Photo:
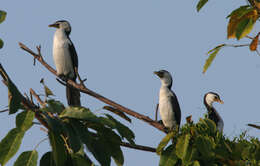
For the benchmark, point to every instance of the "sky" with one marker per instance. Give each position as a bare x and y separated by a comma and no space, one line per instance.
119,45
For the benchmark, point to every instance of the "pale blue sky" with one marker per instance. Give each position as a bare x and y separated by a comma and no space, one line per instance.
119,45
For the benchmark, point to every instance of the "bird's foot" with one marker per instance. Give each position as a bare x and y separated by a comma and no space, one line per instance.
63,77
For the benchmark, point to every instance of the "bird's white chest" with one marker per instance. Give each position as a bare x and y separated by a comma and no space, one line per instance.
166,108
61,54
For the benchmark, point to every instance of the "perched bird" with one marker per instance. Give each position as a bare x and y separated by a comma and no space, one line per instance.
170,111
209,98
65,59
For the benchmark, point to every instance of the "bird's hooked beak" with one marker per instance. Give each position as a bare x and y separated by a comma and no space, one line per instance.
219,101
158,73
55,25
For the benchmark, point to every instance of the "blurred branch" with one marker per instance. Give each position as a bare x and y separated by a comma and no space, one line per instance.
138,147
85,90
253,125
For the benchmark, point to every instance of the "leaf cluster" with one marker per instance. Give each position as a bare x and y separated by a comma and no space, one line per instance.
73,132
202,144
2,18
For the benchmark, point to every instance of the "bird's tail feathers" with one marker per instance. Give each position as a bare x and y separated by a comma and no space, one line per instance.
73,96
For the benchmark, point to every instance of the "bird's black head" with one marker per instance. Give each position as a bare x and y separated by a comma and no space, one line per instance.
165,77
211,97
62,24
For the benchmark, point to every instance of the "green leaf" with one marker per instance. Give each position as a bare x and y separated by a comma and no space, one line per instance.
54,106
168,157
244,27
24,120
117,112
72,137
211,124
79,160
196,163
47,160
59,150
79,113
1,43
241,11
94,145
2,15
182,146
212,54
14,97
205,146
10,145
164,142
123,130
28,158
200,4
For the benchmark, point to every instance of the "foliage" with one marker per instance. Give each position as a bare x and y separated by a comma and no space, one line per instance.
240,24
201,144
2,18
71,132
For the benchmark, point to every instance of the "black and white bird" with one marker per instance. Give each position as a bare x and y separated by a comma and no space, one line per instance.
65,59
209,99
170,111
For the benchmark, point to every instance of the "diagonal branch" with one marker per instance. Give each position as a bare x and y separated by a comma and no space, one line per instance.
138,147
85,90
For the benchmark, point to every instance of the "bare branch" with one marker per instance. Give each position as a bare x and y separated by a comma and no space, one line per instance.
156,112
138,147
37,97
96,95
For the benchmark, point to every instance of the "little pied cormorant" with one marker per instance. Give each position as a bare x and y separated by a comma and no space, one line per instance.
209,98
65,59
170,111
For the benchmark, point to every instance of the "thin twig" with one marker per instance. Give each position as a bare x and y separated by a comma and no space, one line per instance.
96,95
156,112
37,97
138,147
4,110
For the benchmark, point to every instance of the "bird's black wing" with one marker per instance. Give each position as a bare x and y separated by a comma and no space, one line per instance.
176,108
74,56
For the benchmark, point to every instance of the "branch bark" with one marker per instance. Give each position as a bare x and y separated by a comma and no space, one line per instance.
138,147
85,90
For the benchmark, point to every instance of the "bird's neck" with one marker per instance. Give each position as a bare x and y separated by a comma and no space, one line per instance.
166,84
60,34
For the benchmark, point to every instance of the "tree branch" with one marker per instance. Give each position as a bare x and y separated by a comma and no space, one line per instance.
138,147
94,94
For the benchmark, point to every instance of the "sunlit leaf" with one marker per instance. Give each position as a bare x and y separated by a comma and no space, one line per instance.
239,12
2,16
164,142
117,112
212,54
168,157
10,145
182,146
200,4
1,43
241,22
253,45
47,91
205,146
47,160
196,163
79,113
53,106
28,158
24,120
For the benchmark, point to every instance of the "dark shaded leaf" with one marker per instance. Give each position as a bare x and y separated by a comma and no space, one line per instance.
28,158
47,160
24,120
164,142
2,15
14,97
72,138
200,4
79,160
244,27
168,157
59,150
1,43
212,54
117,112
123,130
205,146
10,144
